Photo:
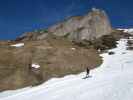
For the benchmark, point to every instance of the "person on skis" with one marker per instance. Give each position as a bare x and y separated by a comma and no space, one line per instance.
87,72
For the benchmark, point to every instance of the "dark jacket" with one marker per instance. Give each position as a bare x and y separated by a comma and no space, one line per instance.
87,71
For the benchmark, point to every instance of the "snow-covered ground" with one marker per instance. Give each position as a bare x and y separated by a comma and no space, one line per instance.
130,30
18,45
36,66
113,80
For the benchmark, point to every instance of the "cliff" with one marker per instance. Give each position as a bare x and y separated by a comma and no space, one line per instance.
88,27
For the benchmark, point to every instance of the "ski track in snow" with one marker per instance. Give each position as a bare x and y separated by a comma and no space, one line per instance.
113,80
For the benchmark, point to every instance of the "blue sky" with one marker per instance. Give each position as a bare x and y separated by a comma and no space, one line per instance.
19,16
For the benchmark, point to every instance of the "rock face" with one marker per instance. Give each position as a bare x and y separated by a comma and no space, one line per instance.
91,26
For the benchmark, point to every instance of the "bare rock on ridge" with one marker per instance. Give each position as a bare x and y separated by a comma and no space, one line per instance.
88,27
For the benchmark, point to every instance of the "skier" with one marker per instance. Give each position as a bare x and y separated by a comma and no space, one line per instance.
87,72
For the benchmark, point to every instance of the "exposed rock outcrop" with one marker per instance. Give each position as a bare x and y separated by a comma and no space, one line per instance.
93,25
88,27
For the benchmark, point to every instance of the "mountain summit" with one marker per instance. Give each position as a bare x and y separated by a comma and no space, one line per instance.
88,27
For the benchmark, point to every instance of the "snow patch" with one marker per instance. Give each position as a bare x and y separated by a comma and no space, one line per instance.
18,45
73,48
130,30
99,50
130,37
36,66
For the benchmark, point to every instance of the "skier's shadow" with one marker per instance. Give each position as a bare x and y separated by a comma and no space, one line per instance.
87,77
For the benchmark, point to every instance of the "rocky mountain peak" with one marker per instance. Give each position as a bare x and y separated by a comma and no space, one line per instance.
95,10
88,27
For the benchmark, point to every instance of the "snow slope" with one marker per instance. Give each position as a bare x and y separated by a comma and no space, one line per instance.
113,80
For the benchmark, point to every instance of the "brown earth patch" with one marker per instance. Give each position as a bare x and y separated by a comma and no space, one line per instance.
56,56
